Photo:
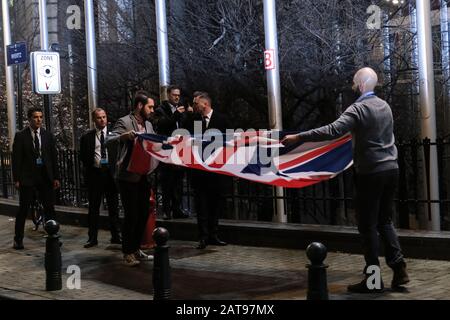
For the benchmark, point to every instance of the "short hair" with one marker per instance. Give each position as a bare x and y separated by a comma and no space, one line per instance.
94,112
140,97
172,87
198,93
33,110
205,96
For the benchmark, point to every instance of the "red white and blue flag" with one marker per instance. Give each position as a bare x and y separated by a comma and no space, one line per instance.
254,155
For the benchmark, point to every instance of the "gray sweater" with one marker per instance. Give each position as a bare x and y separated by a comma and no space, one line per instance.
371,123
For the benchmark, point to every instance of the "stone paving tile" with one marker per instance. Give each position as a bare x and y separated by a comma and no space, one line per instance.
227,273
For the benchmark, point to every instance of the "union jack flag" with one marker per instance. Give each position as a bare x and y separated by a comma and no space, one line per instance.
256,156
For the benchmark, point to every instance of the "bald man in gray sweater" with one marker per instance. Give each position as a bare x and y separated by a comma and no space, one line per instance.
370,121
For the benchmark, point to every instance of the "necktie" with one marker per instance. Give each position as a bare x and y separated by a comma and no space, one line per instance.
102,145
206,120
37,146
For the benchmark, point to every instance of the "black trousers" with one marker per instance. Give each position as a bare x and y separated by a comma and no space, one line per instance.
374,208
172,189
101,183
136,204
208,190
43,189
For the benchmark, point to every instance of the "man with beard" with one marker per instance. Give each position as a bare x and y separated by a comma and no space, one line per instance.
134,188
371,123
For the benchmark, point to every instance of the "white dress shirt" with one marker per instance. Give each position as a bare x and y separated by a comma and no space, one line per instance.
98,148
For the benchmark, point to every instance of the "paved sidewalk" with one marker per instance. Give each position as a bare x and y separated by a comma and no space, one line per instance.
225,273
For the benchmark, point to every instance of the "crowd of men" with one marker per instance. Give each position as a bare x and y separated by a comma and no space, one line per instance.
106,155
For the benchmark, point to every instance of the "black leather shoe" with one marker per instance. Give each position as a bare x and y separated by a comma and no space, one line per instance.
167,217
91,244
217,242
201,244
400,275
18,245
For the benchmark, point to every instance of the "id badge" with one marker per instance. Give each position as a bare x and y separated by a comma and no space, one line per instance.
104,162
39,161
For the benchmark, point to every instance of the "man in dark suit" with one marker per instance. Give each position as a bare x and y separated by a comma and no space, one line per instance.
35,171
208,187
98,164
168,118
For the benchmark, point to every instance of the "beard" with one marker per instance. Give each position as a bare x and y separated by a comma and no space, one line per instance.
143,114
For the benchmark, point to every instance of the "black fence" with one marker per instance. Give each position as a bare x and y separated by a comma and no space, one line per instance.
330,202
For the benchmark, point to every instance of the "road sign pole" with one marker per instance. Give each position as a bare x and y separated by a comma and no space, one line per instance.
19,97
9,75
43,23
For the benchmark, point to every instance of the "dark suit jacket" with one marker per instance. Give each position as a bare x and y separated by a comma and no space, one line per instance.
218,121
24,158
203,179
165,121
87,152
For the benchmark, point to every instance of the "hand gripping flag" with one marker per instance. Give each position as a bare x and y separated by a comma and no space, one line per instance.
256,156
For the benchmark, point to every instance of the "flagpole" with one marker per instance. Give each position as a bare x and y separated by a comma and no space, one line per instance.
273,90
163,48
91,55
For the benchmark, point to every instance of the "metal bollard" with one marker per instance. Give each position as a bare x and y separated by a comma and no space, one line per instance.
317,272
161,266
53,281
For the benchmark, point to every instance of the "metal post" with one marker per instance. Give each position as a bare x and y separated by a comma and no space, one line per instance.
445,57
91,54
273,90
43,23
387,54
317,272
19,97
72,111
163,48
161,266
427,102
9,76
53,261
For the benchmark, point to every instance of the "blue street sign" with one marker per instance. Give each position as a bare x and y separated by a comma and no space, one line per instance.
17,53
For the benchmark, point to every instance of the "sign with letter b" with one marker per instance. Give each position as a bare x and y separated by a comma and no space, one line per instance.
269,59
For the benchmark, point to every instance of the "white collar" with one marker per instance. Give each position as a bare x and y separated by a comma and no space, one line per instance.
38,130
209,115
97,130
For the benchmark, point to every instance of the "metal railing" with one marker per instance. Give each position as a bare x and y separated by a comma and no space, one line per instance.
330,202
